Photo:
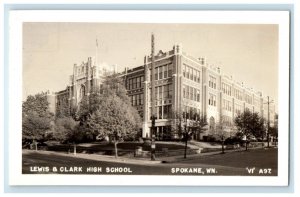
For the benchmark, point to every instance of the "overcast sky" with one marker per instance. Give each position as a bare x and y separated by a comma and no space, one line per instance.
249,53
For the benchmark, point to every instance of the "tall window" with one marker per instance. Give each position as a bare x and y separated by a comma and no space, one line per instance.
160,72
160,92
184,91
138,82
212,82
134,100
226,105
156,73
159,112
133,83
130,84
188,72
198,95
166,91
165,67
226,89
212,100
198,76
191,73
82,92
167,111
184,70
142,99
142,80
191,93
170,91
170,70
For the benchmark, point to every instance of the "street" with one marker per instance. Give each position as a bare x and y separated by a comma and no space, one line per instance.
258,162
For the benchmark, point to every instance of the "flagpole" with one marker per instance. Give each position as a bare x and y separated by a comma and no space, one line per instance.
96,52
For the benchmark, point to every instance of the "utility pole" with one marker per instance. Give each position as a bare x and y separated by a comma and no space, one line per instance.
268,125
153,111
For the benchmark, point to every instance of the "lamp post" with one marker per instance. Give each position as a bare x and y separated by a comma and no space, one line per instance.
153,138
185,135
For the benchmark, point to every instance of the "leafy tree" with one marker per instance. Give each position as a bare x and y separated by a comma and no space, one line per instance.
221,134
248,124
112,84
109,112
68,130
273,130
193,126
259,128
116,119
36,119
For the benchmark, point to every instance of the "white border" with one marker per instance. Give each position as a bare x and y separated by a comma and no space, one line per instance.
16,18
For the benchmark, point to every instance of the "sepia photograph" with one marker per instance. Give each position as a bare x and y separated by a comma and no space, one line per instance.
169,99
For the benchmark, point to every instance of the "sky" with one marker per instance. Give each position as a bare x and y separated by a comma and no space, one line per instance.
248,53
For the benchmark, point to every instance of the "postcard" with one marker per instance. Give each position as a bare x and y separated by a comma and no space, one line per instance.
149,98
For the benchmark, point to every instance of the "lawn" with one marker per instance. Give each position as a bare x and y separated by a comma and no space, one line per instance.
107,148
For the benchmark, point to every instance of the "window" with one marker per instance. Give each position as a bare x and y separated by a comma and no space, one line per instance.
159,112
170,70
184,70
156,75
212,82
139,100
226,89
187,115
191,93
133,83
248,99
166,91
142,99
170,91
160,92
191,73
198,76
134,100
160,72
142,81
198,95
238,109
165,71
183,91
226,105
187,92
167,111
212,100
195,94
156,93
130,84
138,82
188,72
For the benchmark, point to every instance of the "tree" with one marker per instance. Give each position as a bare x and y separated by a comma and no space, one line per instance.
36,119
273,130
111,114
258,127
68,130
116,119
195,125
249,125
221,133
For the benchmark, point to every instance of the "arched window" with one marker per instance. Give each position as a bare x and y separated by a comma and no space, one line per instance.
82,92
